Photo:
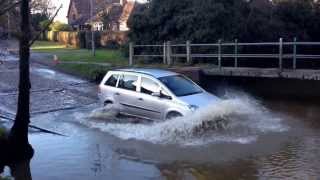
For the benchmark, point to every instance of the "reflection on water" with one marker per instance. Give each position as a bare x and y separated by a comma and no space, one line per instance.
286,146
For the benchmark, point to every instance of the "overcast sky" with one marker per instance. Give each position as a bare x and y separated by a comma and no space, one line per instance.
62,16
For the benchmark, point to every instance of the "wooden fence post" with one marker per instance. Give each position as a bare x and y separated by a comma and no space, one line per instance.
294,53
280,54
219,53
188,46
236,53
169,57
131,54
164,53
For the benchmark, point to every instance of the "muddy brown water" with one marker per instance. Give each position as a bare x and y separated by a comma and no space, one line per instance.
98,150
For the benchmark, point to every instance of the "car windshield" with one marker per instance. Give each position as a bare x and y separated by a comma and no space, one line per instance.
180,86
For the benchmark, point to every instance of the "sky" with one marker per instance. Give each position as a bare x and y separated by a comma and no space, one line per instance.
62,15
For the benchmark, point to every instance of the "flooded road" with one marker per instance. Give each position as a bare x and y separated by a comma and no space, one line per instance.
285,146
262,140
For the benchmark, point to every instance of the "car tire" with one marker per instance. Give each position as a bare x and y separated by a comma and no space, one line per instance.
107,103
173,115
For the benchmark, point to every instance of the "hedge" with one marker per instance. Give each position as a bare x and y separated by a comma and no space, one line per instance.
82,39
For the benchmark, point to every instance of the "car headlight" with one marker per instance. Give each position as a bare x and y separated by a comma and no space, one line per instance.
193,107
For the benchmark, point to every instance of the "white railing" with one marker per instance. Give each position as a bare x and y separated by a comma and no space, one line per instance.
167,54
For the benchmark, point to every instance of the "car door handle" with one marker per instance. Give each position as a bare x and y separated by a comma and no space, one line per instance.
140,99
117,94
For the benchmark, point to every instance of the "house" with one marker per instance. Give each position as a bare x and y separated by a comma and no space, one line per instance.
107,14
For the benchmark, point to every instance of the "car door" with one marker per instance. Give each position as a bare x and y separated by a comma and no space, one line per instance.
152,107
127,94
108,88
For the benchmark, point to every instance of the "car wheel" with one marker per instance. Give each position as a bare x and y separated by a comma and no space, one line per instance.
173,115
107,104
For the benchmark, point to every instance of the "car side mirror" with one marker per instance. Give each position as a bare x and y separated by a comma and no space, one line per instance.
165,96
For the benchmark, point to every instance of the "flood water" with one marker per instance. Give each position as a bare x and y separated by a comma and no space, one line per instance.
262,140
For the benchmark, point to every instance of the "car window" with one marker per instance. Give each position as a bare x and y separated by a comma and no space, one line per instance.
112,81
180,85
164,92
128,82
149,86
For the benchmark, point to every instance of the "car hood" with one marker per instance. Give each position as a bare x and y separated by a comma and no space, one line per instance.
200,100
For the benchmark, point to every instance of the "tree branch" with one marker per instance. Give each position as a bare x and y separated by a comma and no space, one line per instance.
6,9
45,28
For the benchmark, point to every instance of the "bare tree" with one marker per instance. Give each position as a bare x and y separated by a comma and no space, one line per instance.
42,6
7,5
19,133
18,151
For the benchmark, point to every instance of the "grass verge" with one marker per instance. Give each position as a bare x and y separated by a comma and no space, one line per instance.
91,72
81,62
71,59
70,54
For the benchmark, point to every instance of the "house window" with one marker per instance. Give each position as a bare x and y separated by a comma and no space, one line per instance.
73,17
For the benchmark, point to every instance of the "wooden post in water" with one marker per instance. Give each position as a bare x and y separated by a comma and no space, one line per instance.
131,54
294,53
236,53
219,54
164,53
188,46
280,54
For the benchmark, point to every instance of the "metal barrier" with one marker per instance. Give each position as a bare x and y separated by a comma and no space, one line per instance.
167,54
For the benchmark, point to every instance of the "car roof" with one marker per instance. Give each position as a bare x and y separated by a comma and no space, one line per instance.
157,73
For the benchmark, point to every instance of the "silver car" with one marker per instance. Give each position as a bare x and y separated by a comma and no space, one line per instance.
153,93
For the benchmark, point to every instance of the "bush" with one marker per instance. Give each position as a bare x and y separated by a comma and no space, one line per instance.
45,23
59,26
207,21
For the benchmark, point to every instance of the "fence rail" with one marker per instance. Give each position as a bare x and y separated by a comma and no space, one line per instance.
166,51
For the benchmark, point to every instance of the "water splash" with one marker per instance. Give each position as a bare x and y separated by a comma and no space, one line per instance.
246,118
104,113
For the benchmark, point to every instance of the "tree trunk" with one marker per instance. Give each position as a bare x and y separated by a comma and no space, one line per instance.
21,170
18,137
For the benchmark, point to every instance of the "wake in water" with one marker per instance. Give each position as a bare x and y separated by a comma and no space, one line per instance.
245,118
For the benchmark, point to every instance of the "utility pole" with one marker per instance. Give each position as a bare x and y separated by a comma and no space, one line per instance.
92,30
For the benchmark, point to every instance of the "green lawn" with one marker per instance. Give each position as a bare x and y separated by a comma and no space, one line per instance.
66,54
104,60
92,72
45,46
111,57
